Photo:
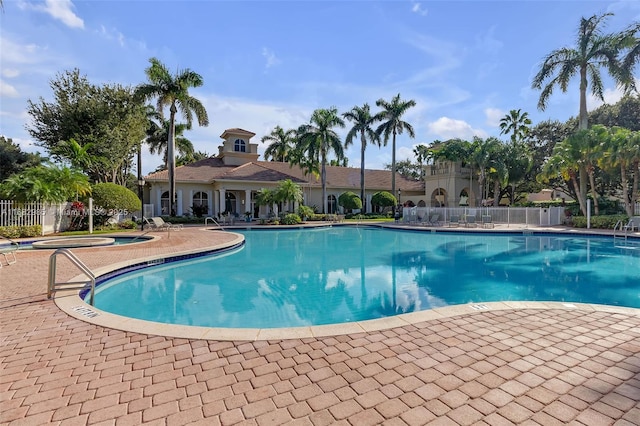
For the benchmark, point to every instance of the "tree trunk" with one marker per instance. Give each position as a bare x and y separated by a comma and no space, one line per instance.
393,165
592,182
496,193
576,187
634,187
628,206
171,160
362,194
323,178
583,119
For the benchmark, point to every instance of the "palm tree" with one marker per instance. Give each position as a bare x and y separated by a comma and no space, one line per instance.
483,155
422,154
159,136
318,138
622,149
517,123
282,143
362,122
631,41
288,192
392,125
173,91
593,50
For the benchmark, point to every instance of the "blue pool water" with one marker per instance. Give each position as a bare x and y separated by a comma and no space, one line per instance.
118,240
310,277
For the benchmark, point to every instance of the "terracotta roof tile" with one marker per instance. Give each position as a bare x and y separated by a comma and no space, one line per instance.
211,169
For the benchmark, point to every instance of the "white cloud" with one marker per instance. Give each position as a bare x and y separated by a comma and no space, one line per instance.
112,34
488,43
417,8
10,72
448,128
494,115
62,10
8,90
15,53
271,58
611,96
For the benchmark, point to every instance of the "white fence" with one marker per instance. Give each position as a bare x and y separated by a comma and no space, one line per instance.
531,216
51,217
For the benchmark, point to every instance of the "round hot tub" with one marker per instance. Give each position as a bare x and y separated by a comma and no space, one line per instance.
73,242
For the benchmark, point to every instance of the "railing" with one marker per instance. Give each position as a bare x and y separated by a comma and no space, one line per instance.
54,286
533,216
206,221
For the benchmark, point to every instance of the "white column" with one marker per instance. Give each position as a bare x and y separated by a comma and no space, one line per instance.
210,203
158,202
369,208
247,202
179,203
223,205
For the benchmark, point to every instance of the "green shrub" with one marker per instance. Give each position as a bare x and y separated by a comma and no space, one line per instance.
599,222
21,231
128,224
291,219
115,199
349,201
383,199
305,211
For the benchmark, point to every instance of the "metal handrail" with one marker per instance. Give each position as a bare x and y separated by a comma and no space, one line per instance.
206,220
52,284
141,235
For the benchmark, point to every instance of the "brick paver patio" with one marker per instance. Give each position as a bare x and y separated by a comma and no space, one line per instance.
524,366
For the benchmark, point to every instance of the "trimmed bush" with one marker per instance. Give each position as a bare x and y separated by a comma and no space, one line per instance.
291,219
21,231
115,199
599,222
383,199
349,201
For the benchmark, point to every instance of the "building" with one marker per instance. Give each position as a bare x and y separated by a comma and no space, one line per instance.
230,181
449,184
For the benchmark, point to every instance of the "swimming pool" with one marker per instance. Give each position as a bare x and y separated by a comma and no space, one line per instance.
342,274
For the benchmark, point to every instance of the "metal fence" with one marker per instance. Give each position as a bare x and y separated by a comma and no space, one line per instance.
531,216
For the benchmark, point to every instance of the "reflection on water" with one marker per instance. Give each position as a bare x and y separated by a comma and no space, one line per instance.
333,275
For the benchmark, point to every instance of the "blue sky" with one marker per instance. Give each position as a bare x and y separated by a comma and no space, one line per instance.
268,63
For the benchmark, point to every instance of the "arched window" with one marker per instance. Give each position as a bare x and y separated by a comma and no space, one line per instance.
240,146
332,204
164,203
200,199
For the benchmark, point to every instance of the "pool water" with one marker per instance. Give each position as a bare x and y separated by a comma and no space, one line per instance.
118,240
332,275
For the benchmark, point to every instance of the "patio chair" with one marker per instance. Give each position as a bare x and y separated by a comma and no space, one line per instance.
633,224
486,221
434,220
470,222
8,249
157,223
454,220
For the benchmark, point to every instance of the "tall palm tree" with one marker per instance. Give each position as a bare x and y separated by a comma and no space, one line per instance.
593,49
565,162
422,154
391,116
631,41
318,139
516,123
282,142
362,121
173,91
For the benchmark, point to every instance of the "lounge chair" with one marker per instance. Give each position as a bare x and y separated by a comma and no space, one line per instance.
434,220
486,221
8,249
633,224
470,222
158,224
454,220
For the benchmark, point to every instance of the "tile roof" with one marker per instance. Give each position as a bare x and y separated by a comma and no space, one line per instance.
212,169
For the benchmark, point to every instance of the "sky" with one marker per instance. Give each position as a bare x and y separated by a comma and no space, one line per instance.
269,63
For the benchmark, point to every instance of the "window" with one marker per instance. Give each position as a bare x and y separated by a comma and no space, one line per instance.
332,204
164,203
240,146
200,199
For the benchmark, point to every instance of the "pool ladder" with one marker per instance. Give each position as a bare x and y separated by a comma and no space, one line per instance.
206,221
54,286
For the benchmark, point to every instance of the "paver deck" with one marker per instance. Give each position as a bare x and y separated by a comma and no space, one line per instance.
511,366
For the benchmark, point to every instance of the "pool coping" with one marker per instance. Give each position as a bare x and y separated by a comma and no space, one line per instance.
70,302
